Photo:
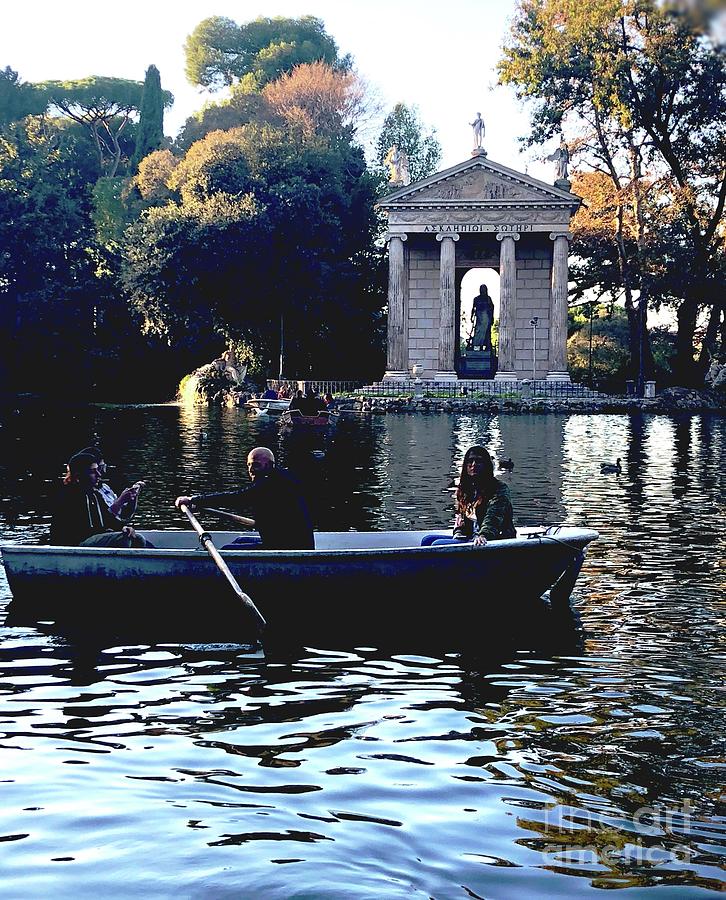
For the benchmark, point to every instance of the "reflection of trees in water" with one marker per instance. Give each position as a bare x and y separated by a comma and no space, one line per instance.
414,464
554,734
682,427
635,463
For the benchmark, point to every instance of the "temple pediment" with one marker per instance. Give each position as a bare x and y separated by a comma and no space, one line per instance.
479,183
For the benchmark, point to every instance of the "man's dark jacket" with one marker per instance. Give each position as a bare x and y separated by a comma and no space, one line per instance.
277,506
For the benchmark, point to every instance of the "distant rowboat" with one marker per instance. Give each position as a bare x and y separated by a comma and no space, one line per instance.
293,418
263,407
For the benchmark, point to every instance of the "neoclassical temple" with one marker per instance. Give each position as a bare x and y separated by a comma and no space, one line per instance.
478,214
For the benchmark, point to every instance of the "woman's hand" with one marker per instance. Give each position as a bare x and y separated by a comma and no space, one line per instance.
184,501
479,541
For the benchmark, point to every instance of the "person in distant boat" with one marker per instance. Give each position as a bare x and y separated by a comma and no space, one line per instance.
483,504
81,517
122,505
275,500
297,401
269,394
312,404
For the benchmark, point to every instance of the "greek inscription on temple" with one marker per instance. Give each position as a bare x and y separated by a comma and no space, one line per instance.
473,227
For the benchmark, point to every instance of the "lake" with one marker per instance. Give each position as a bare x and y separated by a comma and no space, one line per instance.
562,768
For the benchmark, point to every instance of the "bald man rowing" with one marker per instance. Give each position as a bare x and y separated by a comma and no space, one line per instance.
275,500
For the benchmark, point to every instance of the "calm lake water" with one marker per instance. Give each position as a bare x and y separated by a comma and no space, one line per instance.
167,770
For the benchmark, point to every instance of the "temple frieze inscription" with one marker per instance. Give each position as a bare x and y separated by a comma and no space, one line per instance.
468,220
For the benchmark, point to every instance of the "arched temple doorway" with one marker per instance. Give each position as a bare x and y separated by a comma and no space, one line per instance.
478,215
471,360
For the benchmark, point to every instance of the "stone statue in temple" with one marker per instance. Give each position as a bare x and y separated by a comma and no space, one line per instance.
482,318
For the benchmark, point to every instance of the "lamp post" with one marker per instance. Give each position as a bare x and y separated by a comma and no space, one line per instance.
534,321
589,352
282,345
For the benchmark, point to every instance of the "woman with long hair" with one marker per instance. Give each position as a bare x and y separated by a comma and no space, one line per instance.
483,505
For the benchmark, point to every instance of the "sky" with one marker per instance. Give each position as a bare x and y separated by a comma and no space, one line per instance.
439,56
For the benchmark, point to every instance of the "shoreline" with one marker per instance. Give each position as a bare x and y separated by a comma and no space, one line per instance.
670,400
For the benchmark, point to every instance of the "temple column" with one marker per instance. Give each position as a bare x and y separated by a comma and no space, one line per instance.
557,369
447,307
397,351
507,306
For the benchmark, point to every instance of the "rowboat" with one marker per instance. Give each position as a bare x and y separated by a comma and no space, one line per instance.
362,584
293,418
262,407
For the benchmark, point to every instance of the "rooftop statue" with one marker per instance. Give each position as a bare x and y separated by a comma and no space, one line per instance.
397,161
478,126
561,156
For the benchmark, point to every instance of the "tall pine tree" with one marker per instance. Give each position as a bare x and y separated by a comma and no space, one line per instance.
150,134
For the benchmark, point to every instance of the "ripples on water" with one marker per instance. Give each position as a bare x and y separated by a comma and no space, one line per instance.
207,770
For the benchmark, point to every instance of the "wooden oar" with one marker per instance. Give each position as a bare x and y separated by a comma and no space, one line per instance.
223,512
206,539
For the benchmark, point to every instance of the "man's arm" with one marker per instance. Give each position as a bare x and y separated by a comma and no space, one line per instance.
237,500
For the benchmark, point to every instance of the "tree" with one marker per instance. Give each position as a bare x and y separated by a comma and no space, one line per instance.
46,261
104,106
315,99
643,87
219,52
152,179
403,127
150,133
262,227
597,347
18,99
243,106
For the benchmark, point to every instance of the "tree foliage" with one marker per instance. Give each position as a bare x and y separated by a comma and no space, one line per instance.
602,362
242,107
219,52
315,99
104,106
642,87
18,99
260,226
150,133
403,127
45,233
152,179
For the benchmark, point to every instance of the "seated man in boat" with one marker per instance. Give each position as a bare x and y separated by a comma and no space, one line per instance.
483,505
276,501
82,518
